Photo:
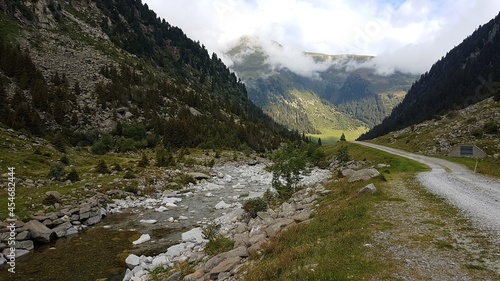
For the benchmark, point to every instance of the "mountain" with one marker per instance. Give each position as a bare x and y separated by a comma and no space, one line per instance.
359,96
111,74
466,75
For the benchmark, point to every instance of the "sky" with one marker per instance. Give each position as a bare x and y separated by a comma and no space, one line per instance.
404,35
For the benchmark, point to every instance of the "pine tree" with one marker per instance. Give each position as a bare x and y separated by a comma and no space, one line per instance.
342,137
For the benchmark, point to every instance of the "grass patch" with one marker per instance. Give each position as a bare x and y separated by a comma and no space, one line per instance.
397,165
333,246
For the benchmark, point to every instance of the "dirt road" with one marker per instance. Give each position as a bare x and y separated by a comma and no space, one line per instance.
477,196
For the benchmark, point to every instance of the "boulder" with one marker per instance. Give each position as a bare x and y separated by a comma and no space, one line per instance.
193,276
92,220
241,252
222,205
61,229
363,175
56,194
193,235
142,239
347,172
276,227
39,232
25,235
132,261
25,245
303,216
225,266
369,189
199,176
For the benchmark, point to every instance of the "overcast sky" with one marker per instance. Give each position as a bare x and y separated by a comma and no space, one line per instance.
408,36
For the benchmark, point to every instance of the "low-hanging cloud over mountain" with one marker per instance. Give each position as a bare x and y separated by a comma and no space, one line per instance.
404,35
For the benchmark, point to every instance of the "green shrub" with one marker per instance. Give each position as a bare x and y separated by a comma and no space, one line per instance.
132,189
102,168
185,179
64,160
144,162
216,242
57,171
117,167
343,155
491,128
50,200
253,206
99,148
73,176
59,143
129,175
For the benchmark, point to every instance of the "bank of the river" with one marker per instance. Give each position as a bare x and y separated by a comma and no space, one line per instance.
100,250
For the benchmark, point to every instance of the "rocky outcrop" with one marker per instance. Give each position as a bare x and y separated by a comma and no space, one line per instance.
45,227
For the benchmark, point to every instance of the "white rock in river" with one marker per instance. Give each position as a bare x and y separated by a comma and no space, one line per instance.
132,261
222,205
194,235
172,200
171,205
142,239
161,209
149,221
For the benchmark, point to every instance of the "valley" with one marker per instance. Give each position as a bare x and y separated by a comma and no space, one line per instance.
129,151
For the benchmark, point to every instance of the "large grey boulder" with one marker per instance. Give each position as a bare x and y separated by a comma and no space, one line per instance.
61,229
39,232
225,266
132,261
369,189
363,175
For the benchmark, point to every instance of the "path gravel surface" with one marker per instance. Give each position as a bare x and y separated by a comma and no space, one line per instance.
477,196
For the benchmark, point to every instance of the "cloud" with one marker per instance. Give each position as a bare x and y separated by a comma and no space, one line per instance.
405,35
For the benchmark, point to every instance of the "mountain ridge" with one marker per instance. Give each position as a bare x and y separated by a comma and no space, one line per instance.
105,64
466,75
333,78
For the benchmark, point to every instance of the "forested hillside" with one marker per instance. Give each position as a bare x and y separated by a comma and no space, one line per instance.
469,73
359,94
110,73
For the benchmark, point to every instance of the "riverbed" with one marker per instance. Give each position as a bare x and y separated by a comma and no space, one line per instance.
99,252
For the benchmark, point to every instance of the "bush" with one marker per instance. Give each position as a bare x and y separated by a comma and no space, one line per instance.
343,155
129,175
50,200
117,167
99,148
491,128
102,168
185,179
59,143
73,176
144,162
253,206
136,131
216,242
64,160
132,189
57,171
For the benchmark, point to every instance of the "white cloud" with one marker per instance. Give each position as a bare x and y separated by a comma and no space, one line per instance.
407,35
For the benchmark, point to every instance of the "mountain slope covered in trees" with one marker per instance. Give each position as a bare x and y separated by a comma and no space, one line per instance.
110,73
359,94
469,73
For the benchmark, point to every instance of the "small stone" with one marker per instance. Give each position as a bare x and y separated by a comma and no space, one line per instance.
132,261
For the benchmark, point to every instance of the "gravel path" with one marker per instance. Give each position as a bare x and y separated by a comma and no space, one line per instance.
477,196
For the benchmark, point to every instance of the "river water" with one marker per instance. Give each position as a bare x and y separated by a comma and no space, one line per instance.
99,252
